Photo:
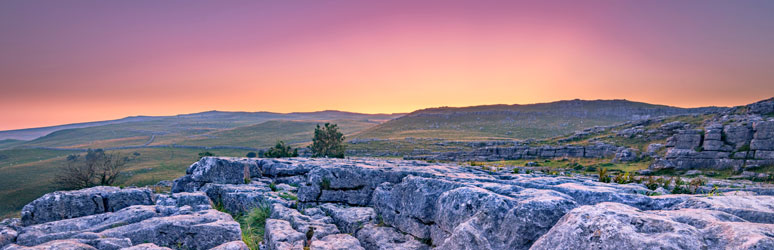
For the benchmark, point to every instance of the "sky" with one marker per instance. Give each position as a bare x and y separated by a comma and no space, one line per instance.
87,60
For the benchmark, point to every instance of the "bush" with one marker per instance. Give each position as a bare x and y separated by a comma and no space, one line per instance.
651,183
251,155
328,141
281,150
603,177
205,154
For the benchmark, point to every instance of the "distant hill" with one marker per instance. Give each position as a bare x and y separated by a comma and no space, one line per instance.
542,120
152,130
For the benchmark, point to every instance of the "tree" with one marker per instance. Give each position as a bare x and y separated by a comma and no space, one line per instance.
281,150
328,141
96,168
251,155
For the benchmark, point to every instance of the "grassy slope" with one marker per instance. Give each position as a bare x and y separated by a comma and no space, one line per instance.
515,121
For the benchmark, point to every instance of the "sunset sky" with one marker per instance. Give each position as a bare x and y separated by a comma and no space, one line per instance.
77,61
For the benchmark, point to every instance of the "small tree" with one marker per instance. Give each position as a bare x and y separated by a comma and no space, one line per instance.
281,150
96,168
328,141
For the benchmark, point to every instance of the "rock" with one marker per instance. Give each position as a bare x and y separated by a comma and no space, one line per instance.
281,236
762,144
71,204
147,246
336,242
54,245
626,155
242,198
686,139
764,130
69,228
201,230
7,236
373,237
654,148
234,245
764,107
349,219
758,209
322,224
197,201
617,226
692,172
455,216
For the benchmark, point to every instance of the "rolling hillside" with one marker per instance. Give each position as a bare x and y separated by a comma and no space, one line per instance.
537,121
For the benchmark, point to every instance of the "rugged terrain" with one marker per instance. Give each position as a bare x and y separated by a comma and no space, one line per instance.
392,204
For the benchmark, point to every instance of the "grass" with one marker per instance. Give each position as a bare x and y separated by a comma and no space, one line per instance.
24,181
288,196
253,225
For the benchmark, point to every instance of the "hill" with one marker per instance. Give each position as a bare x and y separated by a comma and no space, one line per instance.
542,120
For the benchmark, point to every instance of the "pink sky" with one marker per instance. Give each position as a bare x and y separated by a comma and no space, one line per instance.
96,60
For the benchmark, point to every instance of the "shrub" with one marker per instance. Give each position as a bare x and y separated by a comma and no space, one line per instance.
251,155
328,141
603,177
651,183
273,187
205,154
281,150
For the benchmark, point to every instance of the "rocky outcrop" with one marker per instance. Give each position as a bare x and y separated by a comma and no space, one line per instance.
522,151
72,204
738,145
399,204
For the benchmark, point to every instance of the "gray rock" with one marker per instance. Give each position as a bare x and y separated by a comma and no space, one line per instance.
654,147
302,223
234,245
349,219
201,230
686,139
69,228
374,237
71,204
626,155
147,246
336,242
758,209
197,201
762,144
7,236
764,130
617,226
242,198
281,236
54,245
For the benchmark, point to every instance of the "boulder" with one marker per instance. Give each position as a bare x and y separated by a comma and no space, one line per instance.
764,130
618,226
71,204
321,224
373,237
197,201
336,242
686,139
200,230
242,198
233,245
626,155
349,219
147,246
7,236
54,245
279,235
